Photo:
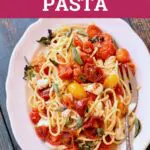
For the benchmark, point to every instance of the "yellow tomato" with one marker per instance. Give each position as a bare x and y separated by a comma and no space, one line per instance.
111,81
76,90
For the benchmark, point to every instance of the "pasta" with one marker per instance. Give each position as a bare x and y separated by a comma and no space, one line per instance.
79,100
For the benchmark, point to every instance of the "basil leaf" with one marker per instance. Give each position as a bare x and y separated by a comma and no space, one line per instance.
76,56
138,127
82,33
28,72
100,132
55,87
54,62
69,32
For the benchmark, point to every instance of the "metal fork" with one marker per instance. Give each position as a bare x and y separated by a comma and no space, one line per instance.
130,81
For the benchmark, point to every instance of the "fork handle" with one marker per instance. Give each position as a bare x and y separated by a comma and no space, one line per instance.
128,140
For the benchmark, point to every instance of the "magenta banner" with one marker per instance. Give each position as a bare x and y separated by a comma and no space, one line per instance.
74,8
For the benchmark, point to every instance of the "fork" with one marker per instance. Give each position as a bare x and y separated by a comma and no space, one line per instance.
130,81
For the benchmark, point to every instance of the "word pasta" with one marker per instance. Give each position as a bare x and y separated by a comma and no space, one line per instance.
74,5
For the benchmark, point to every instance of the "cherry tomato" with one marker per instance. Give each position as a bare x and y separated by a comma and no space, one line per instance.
46,70
77,42
104,147
86,58
93,31
65,72
123,55
44,93
34,116
93,73
67,101
118,90
88,47
91,96
42,132
80,106
108,49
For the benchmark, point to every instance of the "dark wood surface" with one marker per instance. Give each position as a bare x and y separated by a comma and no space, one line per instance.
11,31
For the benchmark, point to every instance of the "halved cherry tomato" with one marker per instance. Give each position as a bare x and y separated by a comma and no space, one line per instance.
104,147
86,58
88,47
91,96
67,101
123,55
44,93
77,42
93,31
34,116
93,73
108,49
46,70
65,72
42,132
80,106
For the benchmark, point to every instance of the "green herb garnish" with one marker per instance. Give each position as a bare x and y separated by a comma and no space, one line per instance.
47,40
55,87
69,32
82,33
76,56
138,127
100,132
54,62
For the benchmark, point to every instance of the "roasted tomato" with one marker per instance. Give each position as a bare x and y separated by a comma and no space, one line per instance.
123,55
91,96
65,72
88,47
86,58
93,31
108,49
44,93
67,101
93,73
77,42
42,132
80,106
34,116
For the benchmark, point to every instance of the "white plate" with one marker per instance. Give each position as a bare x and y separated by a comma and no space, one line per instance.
15,85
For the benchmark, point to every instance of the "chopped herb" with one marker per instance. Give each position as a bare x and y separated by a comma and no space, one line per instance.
79,123
82,78
29,72
46,40
138,127
82,33
54,62
55,87
76,56
69,32
100,132
95,39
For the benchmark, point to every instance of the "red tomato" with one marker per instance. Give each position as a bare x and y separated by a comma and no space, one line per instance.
123,55
46,70
42,132
54,140
34,116
93,73
67,101
93,31
108,49
104,147
88,47
65,72
66,138
37,68
91,96
44,93
80,106
77,42
118,90
86,58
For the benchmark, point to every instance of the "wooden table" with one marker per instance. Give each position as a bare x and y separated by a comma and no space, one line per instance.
11,31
